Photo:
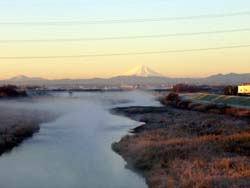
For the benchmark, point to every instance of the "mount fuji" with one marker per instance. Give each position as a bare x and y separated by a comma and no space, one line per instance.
142,71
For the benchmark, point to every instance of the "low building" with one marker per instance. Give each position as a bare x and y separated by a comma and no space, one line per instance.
244,89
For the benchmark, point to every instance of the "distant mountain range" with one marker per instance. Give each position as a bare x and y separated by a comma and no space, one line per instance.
140,75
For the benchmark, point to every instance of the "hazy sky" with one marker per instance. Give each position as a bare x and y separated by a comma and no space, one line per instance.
193,64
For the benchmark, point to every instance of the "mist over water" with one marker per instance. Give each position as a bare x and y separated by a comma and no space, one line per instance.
74,151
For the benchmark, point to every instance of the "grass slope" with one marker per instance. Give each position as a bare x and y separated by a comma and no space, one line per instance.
229,100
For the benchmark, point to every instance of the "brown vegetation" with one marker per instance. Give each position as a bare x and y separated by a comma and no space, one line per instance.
186,88
17,125
178,148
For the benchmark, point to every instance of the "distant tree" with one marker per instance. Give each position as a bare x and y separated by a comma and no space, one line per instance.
11,91
185,88
230,90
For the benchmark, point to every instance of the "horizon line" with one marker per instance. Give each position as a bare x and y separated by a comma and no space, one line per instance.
67,78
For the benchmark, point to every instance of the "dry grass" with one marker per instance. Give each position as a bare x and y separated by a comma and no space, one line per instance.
190,150
18,124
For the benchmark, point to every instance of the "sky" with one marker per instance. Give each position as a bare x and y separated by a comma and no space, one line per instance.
188,64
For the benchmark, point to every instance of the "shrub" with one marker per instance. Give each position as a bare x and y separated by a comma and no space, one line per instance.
172,97
230,90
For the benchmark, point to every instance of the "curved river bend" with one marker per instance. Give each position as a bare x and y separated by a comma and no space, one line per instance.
74,151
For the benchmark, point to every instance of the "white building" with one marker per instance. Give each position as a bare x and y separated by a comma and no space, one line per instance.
244,89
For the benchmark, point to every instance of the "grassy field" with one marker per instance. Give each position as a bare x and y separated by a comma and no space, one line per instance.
223,99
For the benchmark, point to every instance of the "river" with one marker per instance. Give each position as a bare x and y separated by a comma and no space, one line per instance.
74,151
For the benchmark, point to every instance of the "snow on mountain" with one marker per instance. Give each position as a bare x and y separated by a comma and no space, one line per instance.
142,71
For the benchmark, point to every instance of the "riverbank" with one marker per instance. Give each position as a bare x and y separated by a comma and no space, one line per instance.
189,149
17,125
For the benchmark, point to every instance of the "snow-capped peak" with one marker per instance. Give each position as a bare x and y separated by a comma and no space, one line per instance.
142,71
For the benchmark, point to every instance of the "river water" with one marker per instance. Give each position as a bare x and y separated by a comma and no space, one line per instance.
74,151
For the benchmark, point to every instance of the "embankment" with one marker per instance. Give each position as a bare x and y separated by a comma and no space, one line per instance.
216,106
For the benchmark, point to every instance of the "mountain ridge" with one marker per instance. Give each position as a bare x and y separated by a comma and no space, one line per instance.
140,75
